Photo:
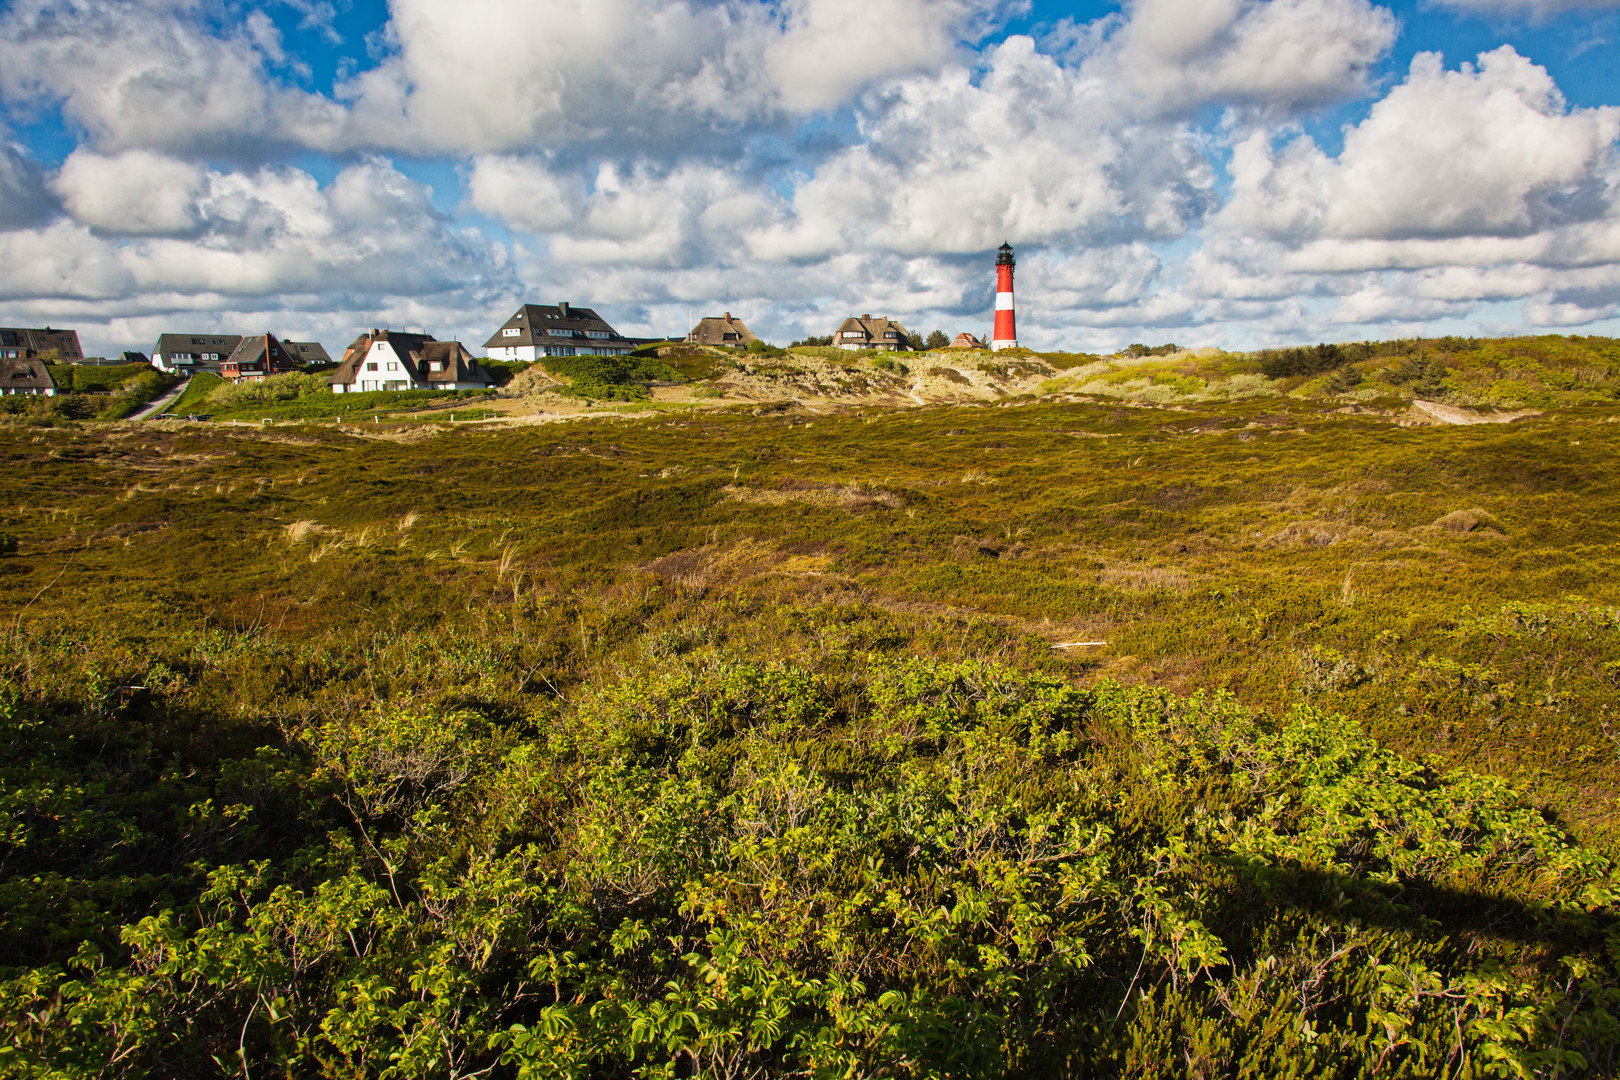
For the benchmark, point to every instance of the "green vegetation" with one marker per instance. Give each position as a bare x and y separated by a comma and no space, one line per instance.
88,378
504,371
718,743
609,378
195,399
88,392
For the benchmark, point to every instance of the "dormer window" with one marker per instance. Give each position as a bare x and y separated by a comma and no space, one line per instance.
511,331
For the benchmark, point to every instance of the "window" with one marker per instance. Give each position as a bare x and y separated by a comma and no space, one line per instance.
371,367
393,365
854,333
598,334
511,331
435,365
890,334
562,333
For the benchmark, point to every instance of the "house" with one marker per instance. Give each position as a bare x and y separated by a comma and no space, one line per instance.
191,353
965,340
881,333
30,375
395,360
255,358
724,332
537,330
308,352
18,343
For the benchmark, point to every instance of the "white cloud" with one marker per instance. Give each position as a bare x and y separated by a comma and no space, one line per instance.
831,49
1489,150
1288,54
949,164
632,73
525,192
137,191
149,73
271,239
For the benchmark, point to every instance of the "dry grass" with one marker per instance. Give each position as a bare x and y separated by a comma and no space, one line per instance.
301,530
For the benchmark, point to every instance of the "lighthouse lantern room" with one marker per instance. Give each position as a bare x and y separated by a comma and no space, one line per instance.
1006,331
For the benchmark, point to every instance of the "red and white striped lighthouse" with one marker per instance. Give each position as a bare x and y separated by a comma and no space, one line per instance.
1006,332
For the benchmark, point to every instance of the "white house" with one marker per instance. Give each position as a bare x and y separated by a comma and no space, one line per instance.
394,360
538,330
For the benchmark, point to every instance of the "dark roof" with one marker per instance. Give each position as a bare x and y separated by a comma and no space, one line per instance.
721,330
196,344
876,330
308,352
540,324
418,352
129,356
263,352
404,344
456,364
34,342
19,374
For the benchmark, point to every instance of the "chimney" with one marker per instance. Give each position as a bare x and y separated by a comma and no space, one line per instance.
867,315
728,316
562,308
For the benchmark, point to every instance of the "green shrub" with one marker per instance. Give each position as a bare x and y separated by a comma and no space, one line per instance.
288,386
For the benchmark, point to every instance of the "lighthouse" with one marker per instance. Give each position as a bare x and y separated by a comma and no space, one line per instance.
1006,332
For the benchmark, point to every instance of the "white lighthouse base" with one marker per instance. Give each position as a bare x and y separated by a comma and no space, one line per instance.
997,346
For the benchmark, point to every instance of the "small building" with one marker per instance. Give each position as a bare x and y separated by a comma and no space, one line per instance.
20,343
564,330
308,352
868,332
191,353
257,357
395,360
965,340
30,375
722,331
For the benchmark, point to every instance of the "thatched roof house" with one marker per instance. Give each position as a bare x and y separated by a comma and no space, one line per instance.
868,332
26,376
724,331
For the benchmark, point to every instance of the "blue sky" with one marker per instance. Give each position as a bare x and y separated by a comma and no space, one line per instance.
1223,172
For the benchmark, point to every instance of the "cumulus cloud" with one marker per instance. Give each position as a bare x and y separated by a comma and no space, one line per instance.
271,238
954,164
1488,150
150,73
830,49
1284,54
137,191
23,198
1460,188
650,73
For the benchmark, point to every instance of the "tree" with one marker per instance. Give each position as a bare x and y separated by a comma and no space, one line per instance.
937,340
914,341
